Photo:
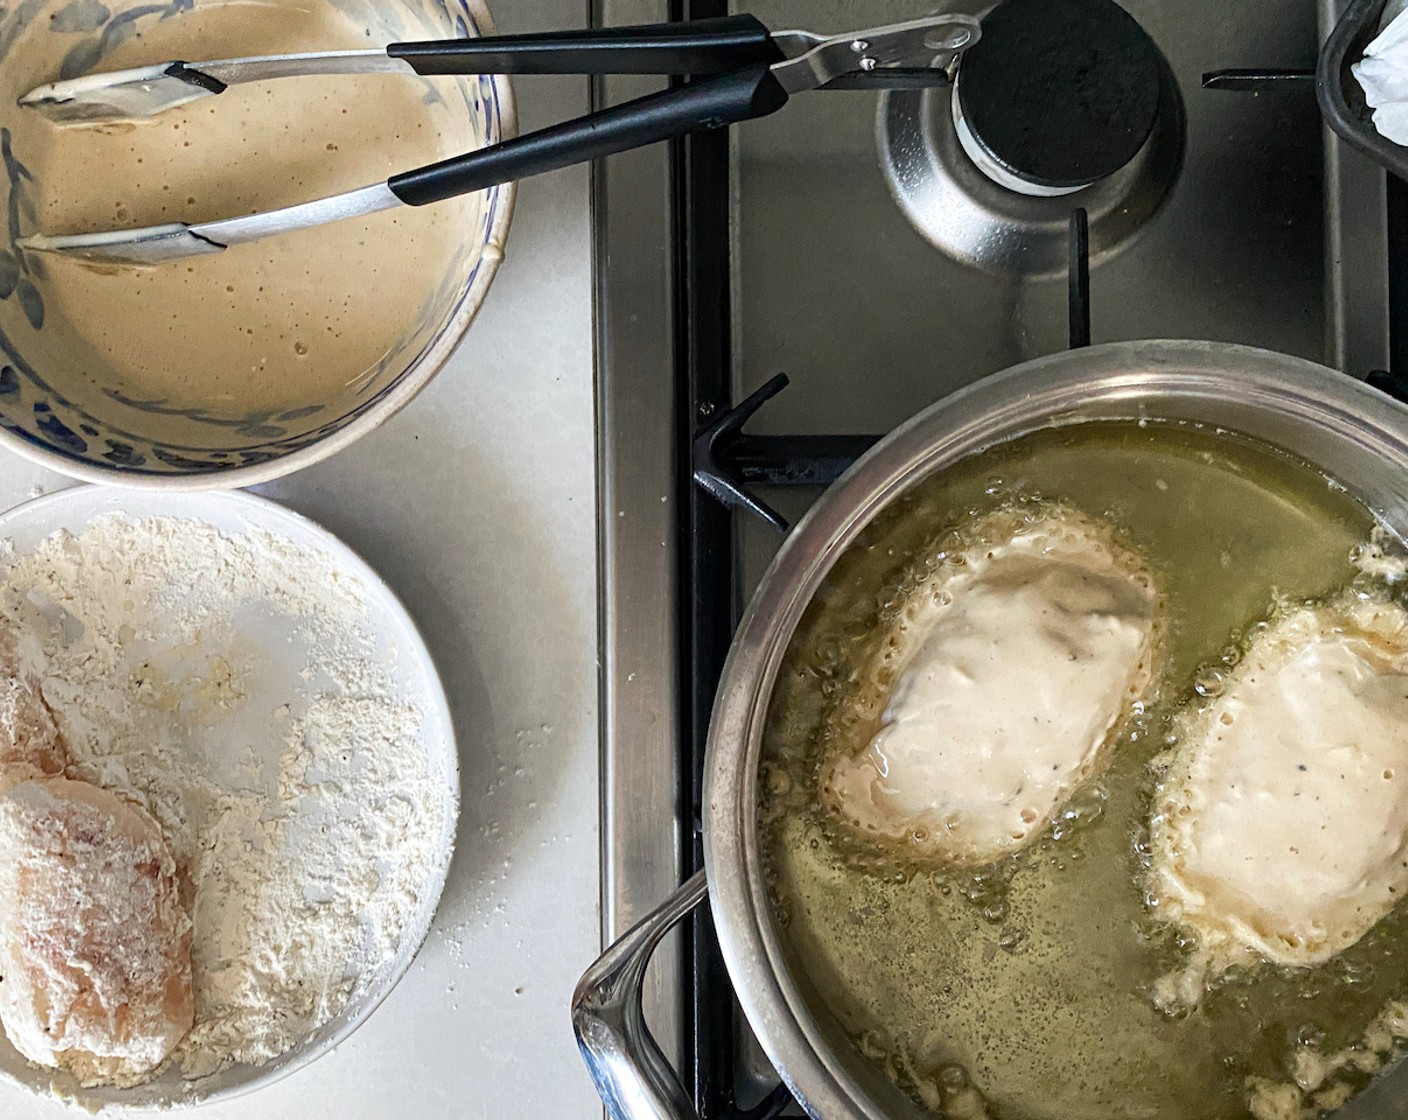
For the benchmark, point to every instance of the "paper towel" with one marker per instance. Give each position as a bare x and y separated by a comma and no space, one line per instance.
1383,73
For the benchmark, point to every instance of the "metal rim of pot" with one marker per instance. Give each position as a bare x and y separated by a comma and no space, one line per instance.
1353,433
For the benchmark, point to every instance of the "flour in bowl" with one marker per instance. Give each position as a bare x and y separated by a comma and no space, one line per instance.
233,687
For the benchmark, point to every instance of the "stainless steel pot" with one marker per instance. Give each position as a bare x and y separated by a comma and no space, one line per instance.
1353,433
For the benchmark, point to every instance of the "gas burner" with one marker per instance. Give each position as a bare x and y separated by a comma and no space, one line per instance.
1057,95
1061,104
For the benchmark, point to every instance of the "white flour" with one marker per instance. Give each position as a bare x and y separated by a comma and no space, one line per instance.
290,780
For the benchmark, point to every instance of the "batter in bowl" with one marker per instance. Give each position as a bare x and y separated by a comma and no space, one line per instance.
264,333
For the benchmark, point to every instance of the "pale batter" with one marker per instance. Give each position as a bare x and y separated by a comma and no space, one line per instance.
1012,663
1281,830
261,330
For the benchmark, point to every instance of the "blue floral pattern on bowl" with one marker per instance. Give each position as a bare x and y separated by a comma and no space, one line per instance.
30,407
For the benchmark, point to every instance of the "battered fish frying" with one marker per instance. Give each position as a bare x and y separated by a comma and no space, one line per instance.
1013,662
1280,830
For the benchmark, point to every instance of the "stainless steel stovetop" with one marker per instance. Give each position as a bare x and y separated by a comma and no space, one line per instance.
1251,224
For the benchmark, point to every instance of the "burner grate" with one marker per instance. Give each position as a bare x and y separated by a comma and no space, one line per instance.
728,464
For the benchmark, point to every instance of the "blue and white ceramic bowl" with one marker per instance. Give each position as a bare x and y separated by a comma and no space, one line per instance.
93,432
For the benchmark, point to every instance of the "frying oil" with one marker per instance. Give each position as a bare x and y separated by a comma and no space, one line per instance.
1023,991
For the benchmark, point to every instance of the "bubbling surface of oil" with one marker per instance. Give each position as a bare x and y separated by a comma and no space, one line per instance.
1025,986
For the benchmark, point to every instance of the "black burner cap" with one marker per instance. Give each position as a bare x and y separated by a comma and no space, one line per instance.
1060,92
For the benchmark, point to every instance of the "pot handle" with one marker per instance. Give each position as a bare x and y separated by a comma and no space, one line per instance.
632,1075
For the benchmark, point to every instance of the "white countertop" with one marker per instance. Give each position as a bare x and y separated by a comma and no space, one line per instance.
477,504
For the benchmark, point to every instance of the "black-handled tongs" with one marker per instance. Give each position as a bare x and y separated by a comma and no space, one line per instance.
742,71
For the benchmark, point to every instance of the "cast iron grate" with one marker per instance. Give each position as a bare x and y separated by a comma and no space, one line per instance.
730,465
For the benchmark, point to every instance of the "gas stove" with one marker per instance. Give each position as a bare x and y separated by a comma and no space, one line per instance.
881,251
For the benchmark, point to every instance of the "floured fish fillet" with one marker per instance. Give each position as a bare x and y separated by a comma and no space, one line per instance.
95,944
1012,664
30,746
1281,828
